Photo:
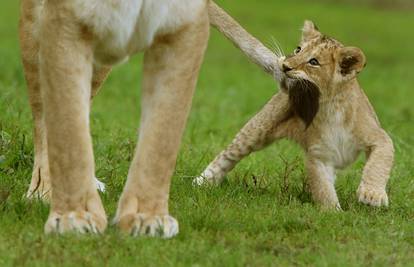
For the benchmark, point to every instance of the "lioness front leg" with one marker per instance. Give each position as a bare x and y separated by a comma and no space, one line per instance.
321,182
380,157
171,68
65,77
40,187
264,128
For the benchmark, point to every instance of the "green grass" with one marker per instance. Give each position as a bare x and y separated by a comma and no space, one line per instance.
261,216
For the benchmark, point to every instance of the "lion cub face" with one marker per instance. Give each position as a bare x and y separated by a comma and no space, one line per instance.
318,69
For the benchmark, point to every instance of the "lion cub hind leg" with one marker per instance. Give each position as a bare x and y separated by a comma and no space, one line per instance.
65,76
171,68
261,130
372,189
321,181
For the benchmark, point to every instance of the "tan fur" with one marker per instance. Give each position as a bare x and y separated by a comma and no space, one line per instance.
345,123
63,76
68,47
254,50
40,186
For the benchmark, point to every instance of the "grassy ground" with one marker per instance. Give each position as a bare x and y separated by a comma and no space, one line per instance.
261,216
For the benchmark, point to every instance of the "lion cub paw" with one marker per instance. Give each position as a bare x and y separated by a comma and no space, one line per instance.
208,177
142,224
75,222
200,181
372,196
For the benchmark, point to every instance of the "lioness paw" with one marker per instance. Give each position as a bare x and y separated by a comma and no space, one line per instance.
100,185
372,196
142,224
75,222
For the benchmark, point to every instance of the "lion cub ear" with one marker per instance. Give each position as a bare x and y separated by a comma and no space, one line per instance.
351,60
309,31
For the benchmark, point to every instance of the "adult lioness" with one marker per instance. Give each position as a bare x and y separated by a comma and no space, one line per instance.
68,48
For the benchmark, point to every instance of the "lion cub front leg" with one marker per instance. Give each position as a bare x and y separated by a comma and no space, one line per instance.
380,157
321,182
252,137
65,78
262,129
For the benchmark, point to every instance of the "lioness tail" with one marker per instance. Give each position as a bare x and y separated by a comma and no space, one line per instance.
249,45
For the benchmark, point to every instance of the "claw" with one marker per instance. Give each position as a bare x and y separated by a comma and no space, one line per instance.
372,196
80,222
149,225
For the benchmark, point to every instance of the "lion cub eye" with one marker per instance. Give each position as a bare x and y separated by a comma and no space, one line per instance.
297,50
314,62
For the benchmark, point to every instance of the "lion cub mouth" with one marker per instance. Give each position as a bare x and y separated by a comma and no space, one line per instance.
303,98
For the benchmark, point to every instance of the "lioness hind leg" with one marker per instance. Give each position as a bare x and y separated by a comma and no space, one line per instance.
65,78
171,68
100,73
40,182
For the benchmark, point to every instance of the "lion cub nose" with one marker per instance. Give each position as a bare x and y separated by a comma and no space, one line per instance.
286,68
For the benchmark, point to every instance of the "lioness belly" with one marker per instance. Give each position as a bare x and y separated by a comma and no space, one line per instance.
122,28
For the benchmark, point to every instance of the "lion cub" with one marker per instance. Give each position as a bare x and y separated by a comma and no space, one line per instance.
321,107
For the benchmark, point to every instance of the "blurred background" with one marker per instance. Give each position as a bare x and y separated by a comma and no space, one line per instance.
384,4
216,225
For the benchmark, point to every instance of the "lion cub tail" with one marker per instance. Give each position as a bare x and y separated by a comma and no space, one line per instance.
249,45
